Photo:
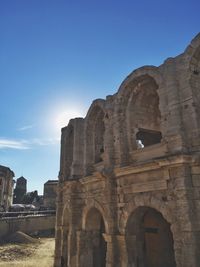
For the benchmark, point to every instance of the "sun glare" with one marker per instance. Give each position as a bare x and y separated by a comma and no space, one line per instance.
63,117
58,116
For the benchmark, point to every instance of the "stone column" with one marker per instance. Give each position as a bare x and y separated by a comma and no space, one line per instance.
186,231
120,133
58,229
75,225
190,96
62,174
174,121
123,255
57,255
112,255
64,246
77,164
72,255
108,155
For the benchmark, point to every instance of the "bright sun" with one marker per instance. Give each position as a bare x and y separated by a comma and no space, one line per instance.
63,117
59,117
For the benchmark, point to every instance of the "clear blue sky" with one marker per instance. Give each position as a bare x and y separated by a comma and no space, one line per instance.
57,56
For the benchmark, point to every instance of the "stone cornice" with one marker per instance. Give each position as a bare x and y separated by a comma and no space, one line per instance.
155,164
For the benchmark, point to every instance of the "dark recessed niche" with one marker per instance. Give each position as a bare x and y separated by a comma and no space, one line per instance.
148,137
151,230
196,72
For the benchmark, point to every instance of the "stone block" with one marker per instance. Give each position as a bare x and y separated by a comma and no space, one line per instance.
196,180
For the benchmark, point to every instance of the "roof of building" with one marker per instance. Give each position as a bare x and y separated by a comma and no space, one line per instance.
51,182
21,178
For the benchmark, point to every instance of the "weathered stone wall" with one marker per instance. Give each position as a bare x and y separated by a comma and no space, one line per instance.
50,194
6,187
129,173
27,225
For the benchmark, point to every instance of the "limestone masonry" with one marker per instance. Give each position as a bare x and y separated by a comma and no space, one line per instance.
129,181
6,187
50,192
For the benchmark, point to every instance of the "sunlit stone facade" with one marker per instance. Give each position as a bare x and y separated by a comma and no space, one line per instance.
6,187
129,181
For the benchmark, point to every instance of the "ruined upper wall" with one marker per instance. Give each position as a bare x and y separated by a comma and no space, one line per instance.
155,113
6,187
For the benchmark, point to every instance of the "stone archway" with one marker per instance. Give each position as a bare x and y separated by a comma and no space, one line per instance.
143,113
149,240
94,141
95,246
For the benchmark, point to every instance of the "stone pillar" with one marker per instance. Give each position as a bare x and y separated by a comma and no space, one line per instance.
58,230
109,154
112,255
77,165
72,241
190,99
57,256
62,174
174,121
123,254
120,133
64,246
186,234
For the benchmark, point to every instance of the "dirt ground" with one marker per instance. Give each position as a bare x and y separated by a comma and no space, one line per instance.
28,255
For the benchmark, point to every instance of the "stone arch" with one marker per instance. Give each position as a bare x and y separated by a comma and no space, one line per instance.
192,83
94,135
94,226
135,77
142,200
143,83
143,114
192,56
149,239
92,204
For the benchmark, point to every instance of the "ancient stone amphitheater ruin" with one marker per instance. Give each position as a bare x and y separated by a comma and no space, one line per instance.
129,182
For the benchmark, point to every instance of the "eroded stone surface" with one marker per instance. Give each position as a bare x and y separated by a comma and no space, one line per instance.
6,187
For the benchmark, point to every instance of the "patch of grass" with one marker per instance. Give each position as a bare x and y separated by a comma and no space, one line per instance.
28,255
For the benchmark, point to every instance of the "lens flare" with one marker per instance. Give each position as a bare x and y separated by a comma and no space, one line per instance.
63,117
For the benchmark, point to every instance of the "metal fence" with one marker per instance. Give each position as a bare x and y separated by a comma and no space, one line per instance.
14,214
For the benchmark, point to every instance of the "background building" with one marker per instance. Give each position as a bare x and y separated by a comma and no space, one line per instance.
50,194
20,190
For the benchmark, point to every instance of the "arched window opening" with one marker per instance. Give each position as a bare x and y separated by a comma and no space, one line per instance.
143,113
94,135
145,137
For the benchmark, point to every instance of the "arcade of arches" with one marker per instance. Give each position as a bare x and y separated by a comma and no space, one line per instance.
129,180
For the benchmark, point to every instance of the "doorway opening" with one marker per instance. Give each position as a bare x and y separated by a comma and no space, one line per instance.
149,239
97,246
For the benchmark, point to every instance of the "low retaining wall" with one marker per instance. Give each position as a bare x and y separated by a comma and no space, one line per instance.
27,225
